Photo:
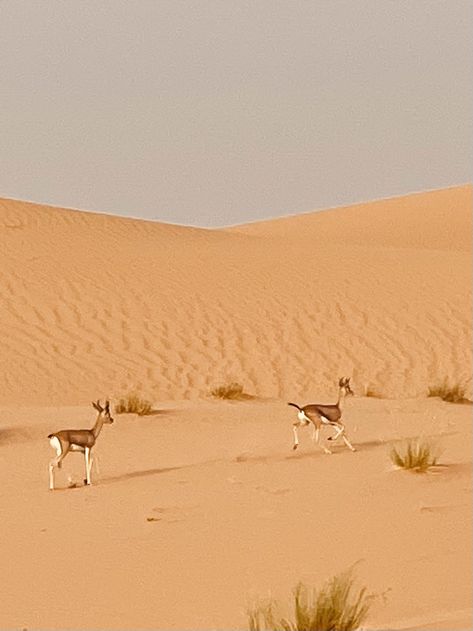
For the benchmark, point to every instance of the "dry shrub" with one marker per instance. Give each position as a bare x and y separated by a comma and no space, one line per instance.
232,391
416,455
452,393
333,607
371,391
133,404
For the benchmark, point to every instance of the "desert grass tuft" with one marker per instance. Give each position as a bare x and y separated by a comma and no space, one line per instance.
452,393
371,392
133,404
262,616
334,607
231,391
416,455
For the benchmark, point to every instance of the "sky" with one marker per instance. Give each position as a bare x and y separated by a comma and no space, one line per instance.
212,113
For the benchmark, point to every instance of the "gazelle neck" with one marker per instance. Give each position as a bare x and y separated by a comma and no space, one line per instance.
341,397
97,428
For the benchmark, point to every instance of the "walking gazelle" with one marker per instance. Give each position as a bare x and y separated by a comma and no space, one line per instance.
321,414
81,440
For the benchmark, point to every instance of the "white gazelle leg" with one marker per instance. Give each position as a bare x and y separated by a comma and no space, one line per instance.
317,440
87,464
340,431
296,439
56,445
51,475
91,458
56,462
326,449
348,443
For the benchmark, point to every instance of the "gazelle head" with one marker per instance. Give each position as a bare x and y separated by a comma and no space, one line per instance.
104,412
344,385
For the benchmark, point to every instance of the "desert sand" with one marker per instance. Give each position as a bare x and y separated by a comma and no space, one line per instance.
202,506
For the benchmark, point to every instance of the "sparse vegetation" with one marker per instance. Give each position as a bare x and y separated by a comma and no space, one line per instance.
370,391
331,608
416,455
232,391
133,404
452,393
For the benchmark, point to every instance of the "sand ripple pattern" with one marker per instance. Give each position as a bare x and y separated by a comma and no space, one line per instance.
93,305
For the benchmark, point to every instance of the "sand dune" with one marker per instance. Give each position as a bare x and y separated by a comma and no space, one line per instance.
437,220
94,303
203,505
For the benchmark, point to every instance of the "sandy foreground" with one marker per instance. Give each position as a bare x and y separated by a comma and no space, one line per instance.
202,506
238,515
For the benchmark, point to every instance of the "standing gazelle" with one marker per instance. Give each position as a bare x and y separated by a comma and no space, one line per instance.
320,414
81,440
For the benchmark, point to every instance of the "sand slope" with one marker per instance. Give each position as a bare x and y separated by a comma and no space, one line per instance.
98,304
235,514
436,220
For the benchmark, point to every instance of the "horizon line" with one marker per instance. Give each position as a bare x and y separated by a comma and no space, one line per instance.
245,223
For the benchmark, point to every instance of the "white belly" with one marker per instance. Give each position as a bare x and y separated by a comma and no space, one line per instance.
76,448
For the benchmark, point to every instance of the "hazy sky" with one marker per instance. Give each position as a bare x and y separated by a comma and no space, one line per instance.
214,112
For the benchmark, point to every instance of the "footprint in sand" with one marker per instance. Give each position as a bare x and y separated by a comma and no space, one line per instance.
439,508
169,514
279,491
234,480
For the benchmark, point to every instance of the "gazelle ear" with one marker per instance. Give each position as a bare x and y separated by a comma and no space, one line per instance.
95,406
340,382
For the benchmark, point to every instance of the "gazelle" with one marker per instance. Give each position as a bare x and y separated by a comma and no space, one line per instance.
320,414
82,440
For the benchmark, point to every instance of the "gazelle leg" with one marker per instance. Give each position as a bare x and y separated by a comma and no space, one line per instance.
51,474
341,430
317,440
296,439
91,457
87,464
348,443
326,449
61,452
56,462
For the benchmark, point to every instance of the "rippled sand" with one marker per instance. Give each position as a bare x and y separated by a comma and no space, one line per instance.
93,303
